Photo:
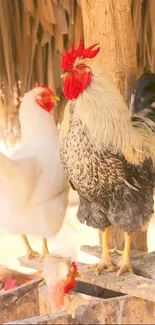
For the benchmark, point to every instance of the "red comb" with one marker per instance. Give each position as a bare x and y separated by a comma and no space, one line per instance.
9,284
41,85
69,57
75,267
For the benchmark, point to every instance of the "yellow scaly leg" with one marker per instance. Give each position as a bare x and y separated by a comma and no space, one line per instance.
125,264
45,250
30,252
106,259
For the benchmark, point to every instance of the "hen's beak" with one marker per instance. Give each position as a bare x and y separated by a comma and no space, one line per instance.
55,98
77,275
65,74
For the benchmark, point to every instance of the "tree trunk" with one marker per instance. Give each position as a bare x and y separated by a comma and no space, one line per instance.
109,23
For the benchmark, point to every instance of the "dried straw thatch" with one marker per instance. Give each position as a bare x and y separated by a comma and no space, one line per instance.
143,16
33,35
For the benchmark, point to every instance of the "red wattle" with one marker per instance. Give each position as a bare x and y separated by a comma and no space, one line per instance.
76,83
70,286
46,106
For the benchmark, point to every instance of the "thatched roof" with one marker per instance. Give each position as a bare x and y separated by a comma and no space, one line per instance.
143,16
33,35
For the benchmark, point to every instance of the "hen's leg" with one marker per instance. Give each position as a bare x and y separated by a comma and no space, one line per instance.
45,250
30,252
125,265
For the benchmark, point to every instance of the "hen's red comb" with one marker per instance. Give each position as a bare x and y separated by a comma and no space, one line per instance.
43,86
69,57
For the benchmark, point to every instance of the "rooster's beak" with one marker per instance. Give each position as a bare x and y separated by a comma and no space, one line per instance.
65,74
55,98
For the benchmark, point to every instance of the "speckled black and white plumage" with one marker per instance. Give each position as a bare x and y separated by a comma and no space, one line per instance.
96,139
111,190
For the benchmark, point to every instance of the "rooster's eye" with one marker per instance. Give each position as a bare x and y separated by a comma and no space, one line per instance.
43,95
80,67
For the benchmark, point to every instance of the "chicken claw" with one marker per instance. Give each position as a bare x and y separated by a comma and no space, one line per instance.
106,263
124,266
31,254
119,251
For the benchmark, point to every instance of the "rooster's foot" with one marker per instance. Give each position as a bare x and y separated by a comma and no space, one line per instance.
119,251
124,266
105,263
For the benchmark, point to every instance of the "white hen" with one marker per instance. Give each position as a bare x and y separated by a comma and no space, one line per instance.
33,186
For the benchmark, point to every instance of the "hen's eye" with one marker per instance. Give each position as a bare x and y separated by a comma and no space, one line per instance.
80,67
43,95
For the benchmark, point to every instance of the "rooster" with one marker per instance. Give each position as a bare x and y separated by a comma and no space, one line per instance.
33,186
143,97
108,157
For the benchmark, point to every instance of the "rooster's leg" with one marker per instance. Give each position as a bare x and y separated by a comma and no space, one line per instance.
45,250
125,265
30,252
106,260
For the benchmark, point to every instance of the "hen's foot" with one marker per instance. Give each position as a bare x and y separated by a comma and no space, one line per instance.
31,254
124,266
42,256
45,250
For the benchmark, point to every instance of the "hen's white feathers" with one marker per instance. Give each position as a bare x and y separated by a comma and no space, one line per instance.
33,186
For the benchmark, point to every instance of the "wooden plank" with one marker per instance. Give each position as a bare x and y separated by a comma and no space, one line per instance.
59,318
19,303
33,263
120,310
12,296
128,283
143,263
